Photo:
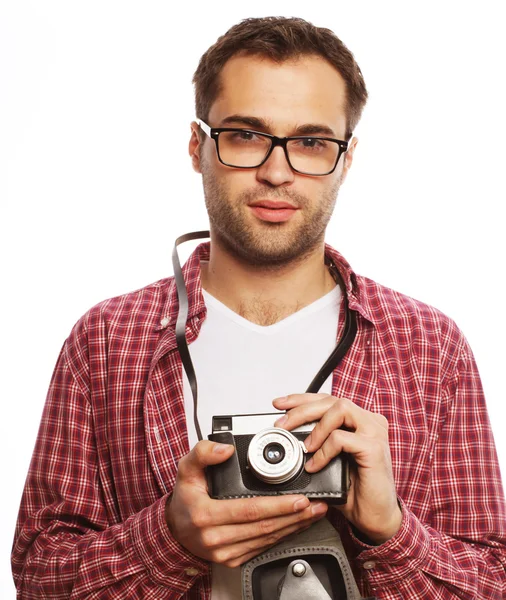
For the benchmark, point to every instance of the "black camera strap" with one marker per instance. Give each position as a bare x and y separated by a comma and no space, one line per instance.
344,343
182,316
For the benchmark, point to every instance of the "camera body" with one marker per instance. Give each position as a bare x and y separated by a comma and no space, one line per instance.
271,462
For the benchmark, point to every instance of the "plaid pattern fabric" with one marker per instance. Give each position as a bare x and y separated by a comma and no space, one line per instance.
91,522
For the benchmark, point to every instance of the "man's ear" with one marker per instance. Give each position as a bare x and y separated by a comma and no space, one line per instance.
348,158
194,147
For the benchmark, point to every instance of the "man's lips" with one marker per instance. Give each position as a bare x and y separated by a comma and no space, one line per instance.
272,211
273,204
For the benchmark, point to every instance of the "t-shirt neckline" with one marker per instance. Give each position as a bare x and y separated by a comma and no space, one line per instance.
332,297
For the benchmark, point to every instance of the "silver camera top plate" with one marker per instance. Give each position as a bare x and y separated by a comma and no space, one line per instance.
250,424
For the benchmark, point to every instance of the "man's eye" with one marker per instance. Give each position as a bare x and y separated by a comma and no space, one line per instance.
245,136
312,143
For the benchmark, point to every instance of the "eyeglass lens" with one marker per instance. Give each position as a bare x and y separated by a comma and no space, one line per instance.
246,149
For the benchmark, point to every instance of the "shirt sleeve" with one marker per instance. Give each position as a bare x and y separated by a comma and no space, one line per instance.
461,552
68,544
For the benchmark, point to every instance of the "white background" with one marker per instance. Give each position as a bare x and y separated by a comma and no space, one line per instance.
95,181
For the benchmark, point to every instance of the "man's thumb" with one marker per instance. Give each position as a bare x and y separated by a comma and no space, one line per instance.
203,454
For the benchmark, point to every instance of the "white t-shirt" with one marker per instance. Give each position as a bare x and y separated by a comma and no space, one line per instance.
242,367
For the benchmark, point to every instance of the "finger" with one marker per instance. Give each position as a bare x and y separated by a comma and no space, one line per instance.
215,537
237,554
366,451
346,414
292,400
248,510
342,412
204,453
311,407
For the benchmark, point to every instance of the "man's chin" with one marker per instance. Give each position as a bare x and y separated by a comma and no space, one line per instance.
273,253
265,244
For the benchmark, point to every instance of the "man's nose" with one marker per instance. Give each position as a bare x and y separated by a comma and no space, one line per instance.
276,171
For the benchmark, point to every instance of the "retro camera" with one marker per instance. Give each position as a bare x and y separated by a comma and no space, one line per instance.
271,462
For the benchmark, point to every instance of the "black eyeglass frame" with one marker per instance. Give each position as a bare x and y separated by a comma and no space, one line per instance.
214,134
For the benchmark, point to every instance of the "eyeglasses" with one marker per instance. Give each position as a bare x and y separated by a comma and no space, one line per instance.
246,149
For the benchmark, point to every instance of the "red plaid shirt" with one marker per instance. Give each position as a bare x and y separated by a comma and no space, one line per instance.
91,522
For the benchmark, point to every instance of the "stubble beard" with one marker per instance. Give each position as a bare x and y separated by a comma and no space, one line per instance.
263,244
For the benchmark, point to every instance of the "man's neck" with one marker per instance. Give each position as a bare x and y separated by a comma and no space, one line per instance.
262,295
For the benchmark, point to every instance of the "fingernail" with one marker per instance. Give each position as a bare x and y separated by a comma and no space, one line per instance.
280,400
307,442
301,504
310,463
220,448
280,422
319,509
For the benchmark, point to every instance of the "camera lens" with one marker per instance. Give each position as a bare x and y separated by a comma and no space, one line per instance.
274,453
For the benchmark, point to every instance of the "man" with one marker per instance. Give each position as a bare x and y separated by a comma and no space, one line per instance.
116,503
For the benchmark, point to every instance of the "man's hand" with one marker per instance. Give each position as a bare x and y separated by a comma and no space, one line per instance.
372,500
230,531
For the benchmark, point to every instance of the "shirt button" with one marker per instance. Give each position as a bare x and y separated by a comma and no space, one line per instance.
164,322
191,571
369,564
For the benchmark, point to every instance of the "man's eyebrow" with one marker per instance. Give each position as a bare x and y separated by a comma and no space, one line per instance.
253,122
262,125
315,129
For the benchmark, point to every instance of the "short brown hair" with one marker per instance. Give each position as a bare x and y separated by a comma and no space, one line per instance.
279,39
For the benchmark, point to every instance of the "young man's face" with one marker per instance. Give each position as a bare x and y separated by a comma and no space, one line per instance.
284,99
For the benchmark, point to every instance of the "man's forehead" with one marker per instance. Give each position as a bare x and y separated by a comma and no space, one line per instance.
263,71
303,90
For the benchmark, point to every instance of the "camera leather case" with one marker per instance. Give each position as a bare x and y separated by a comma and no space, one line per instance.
327,573
234,478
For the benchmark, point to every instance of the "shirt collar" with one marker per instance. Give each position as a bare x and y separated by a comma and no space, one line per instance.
355,291
191,274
